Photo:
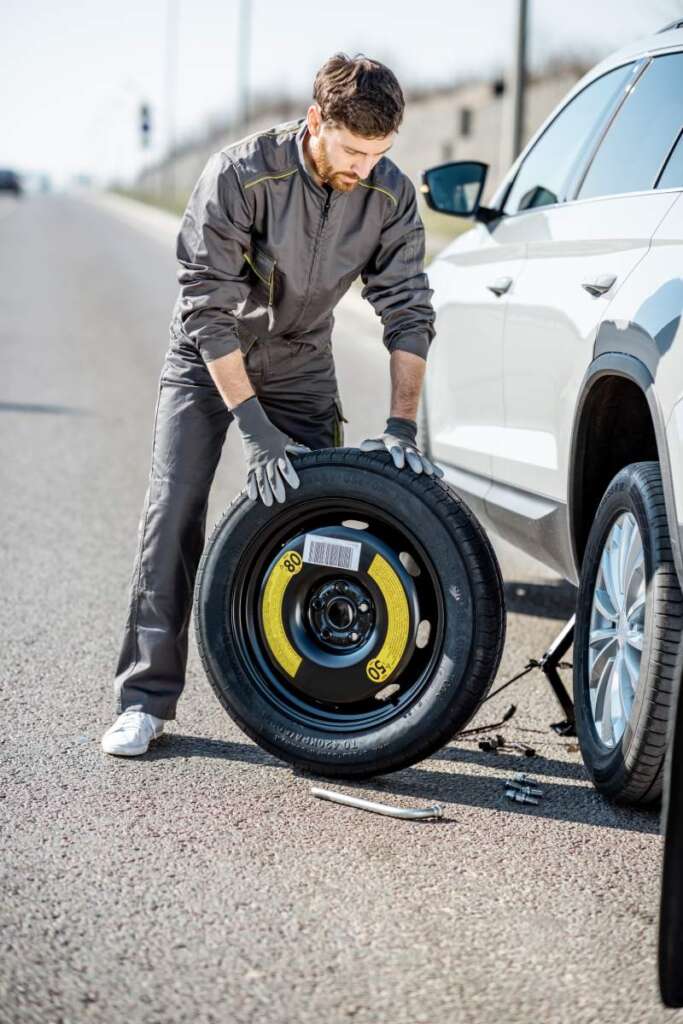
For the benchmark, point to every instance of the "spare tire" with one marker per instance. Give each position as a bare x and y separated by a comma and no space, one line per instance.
355,628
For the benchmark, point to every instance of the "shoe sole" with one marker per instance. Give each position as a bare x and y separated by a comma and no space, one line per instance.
137,752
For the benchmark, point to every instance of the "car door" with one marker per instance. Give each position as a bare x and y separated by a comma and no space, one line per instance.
578,254
470,279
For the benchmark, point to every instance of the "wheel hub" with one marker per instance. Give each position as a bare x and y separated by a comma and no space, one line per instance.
341,614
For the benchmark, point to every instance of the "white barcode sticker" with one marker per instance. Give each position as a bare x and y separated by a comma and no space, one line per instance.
342,554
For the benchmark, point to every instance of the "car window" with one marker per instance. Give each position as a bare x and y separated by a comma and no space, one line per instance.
672,175
552,164
632,152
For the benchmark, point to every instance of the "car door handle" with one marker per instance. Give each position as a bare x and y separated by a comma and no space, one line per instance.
500,286
599,285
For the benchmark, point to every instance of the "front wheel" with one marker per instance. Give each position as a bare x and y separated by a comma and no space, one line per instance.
628,624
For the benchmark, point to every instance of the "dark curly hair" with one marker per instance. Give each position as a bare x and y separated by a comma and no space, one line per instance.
359,94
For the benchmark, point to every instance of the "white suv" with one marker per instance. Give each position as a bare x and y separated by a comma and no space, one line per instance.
554,386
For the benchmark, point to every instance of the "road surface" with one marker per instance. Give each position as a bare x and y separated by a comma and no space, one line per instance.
202,883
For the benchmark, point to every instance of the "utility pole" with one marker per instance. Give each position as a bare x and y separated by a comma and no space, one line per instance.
512,92
519,77
171,95
243,54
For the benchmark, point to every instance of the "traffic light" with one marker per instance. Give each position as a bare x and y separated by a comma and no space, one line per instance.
145,124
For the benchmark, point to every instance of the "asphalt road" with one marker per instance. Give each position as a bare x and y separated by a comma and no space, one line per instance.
202,882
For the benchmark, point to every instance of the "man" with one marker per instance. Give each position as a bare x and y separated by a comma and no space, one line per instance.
275,231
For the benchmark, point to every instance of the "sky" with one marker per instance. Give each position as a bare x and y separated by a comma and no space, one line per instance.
73,74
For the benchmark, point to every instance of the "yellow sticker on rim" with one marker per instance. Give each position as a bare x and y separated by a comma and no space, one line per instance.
287,566
380,668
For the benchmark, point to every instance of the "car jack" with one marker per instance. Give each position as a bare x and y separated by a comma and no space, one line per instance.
548,665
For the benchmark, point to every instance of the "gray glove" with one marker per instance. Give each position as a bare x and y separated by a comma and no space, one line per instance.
400,440
266,453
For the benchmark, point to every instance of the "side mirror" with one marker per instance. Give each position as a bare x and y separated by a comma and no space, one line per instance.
456,188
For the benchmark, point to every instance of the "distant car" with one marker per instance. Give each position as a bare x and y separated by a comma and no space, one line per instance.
10,182
554,387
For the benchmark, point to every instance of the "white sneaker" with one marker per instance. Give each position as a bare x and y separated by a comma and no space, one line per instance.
132,733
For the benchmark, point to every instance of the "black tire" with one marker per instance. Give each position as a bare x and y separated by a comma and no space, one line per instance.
630,770
457,672
671,893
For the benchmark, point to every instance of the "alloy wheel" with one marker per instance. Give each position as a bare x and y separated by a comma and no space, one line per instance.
616,629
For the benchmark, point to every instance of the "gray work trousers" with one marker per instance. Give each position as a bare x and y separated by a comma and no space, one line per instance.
295,382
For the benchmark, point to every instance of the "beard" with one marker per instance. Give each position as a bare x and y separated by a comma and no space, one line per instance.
338,180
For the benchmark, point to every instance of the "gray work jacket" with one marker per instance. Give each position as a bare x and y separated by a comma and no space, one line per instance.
265,253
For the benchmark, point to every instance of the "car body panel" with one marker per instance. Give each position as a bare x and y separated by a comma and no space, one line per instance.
507,443
633,369
464,369
552,322
645,322
652,305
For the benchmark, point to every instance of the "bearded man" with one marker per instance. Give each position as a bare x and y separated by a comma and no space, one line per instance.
277,228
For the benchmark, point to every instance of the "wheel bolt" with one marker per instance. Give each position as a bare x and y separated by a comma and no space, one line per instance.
354,637
520,797
325,634
362,607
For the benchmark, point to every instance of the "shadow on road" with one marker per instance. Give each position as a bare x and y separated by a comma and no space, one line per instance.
60,410
543,600
561,801
177,744
537,765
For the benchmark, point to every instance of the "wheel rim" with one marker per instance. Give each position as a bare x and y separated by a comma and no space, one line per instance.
615,644
336,618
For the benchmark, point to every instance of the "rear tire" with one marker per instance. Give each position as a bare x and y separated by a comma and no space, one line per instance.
624,661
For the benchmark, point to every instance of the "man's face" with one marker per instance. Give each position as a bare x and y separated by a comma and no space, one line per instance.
341,158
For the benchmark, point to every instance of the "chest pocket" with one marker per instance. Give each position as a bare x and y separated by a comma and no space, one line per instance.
263,271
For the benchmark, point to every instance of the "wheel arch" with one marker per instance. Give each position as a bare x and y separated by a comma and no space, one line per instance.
617,391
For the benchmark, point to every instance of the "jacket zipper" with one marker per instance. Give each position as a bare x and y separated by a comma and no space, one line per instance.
271,289
316,246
